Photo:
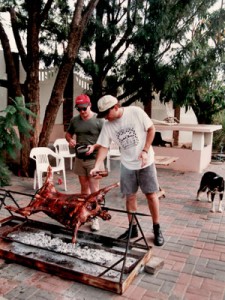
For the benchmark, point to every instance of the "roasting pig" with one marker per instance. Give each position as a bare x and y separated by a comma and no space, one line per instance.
71,210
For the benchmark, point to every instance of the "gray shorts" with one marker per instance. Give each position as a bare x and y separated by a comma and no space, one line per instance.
146,178
83,167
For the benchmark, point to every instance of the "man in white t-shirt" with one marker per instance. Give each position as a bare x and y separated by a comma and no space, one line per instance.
133,131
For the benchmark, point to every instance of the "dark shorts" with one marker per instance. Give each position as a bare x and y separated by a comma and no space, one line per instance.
145,178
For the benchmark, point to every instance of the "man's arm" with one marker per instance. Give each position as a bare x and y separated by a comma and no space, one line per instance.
92,148
102,153
148,142
70,140
149,138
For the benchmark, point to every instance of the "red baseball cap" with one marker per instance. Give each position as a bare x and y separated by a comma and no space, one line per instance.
82,100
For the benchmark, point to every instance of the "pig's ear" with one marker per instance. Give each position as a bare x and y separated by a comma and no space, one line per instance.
102,191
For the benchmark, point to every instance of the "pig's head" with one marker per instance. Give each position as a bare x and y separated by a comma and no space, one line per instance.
99,196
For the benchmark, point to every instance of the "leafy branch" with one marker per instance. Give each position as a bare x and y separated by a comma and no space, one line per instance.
12,120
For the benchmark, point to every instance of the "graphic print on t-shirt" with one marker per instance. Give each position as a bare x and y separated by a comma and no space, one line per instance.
127,137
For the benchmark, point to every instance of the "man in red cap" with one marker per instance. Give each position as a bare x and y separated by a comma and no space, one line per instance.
82,134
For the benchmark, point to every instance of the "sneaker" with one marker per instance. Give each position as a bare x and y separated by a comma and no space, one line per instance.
125,235
159,239
95,224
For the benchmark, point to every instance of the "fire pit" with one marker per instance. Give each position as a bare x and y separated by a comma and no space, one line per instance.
95,260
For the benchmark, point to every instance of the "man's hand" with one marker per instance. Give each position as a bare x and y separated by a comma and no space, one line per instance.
94,173
98,174
144,158
91,149
72,143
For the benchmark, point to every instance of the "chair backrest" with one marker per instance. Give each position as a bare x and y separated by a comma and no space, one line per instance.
61,146
41,156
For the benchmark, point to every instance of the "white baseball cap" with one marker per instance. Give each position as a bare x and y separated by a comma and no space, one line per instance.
104,104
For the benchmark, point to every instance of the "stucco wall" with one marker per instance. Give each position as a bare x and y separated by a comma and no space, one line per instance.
3,91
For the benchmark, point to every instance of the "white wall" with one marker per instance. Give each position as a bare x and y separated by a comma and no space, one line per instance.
3,91
47,79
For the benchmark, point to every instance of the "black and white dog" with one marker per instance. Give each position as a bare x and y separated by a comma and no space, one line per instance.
213,184
158,141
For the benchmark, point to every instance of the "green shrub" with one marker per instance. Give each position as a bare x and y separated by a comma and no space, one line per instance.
14,116
219,135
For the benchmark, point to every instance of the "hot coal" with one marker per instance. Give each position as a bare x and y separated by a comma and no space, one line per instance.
86,253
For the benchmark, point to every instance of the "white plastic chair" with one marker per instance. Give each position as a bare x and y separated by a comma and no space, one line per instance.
113,153
42,157
62,147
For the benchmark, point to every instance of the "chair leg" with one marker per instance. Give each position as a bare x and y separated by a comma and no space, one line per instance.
35,180
71,163
39,177
64,178
108,163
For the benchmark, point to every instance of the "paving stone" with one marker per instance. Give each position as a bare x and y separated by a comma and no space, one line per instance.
186,242
193,255
149,286
174,297
197,293
186,249
188,268
153,280
202,261
43,295
25,274
167,287
168,275
21,292
220,276
204,272
192,259
153,265
172,247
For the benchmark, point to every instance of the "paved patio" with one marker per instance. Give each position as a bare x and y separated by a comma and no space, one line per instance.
193,253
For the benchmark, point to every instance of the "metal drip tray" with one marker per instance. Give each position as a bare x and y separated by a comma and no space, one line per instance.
95,260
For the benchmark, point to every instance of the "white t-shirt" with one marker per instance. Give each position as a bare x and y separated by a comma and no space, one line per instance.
129,133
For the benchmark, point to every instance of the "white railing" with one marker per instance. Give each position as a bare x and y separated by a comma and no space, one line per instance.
46,74
83,82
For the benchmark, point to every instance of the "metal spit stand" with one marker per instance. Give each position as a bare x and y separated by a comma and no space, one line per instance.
128,241
122,285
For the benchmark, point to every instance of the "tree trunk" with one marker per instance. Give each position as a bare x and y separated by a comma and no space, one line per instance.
148,108
78,25
68,102
13,83
176,133
31,85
